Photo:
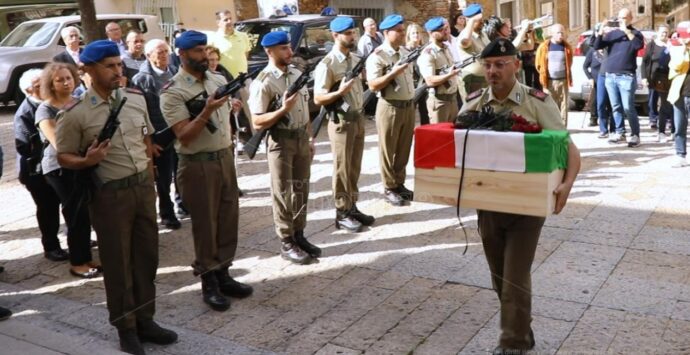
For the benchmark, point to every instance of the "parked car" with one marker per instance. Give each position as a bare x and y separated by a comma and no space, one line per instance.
34,43
12,16
579,92
309,35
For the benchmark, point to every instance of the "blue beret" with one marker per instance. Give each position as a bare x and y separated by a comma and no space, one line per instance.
342,24
434,23
391,21
472,10
190,39
275,38
97,50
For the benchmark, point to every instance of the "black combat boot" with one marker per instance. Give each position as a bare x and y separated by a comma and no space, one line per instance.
211,293
343,219
405,193
304,244
150,331
393,197
231,287
129,342
289,250
365,219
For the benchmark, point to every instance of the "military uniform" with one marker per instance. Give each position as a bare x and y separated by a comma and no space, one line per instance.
346,132
442,103
206,173
123,210
394,114
510,240
289,155
473,74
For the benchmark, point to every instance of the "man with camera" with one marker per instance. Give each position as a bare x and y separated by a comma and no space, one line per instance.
621,42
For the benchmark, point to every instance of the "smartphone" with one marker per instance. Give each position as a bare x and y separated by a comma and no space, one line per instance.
613,23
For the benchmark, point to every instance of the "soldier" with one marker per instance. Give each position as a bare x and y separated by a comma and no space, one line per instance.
435,63
346,130
290,148
510,240
394,110
472,42
206,174
122,208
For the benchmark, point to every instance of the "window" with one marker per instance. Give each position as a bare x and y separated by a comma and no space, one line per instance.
364,8
35,34
257,30
317,40
576,12
507,9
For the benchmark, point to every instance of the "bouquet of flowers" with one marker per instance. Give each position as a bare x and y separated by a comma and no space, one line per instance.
503,121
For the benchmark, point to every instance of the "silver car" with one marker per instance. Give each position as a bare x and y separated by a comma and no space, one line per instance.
34,43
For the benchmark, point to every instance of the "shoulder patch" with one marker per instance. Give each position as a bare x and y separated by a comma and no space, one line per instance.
75,101
427,50
474,95
327,60
168,84
538,94
378,49
262,75
134,91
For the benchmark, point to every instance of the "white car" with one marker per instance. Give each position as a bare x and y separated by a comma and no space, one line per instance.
34,43
579,92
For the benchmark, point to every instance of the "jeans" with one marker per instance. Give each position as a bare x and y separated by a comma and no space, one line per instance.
680,117
603,104
621,90
653,104
665,113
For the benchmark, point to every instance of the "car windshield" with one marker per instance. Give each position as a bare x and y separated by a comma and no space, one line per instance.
257,30
33,34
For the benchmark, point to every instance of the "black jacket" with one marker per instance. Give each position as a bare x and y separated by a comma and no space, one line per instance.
145,81
26,138
655,60
592,64
64,57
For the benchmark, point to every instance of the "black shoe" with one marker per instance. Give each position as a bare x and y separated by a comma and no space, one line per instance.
343,219
393,197
129,342
365,219
405,193
172,223
211,292
151,332
303,243
58,254
653,126
289,250
231,287
5,313
502,351
240,193
2,268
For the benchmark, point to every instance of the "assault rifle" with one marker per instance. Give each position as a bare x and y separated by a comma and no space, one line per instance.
339,104
252,144
409,58
166,136
419,91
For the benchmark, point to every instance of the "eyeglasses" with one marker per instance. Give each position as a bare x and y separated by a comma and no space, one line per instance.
499,64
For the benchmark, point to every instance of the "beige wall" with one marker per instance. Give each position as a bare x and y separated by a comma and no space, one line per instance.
201,15
114,7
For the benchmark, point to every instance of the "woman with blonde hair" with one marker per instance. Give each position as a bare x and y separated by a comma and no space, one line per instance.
414,38
57,84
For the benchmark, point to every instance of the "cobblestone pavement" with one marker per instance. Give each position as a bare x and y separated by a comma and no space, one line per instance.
611,273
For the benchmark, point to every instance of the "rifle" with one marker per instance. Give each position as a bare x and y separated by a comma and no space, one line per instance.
419,91
409,58
252,144
166,136
339,104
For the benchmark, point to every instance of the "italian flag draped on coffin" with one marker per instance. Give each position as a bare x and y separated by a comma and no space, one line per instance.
441,145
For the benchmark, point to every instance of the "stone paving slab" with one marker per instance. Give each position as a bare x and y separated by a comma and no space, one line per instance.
611,273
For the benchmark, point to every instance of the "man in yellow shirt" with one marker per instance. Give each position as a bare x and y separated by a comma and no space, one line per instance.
233,45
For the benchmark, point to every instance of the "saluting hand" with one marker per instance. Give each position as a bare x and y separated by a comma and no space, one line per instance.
97,152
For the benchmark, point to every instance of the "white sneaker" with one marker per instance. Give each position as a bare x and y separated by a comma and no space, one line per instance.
634,141
240,148
680,162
